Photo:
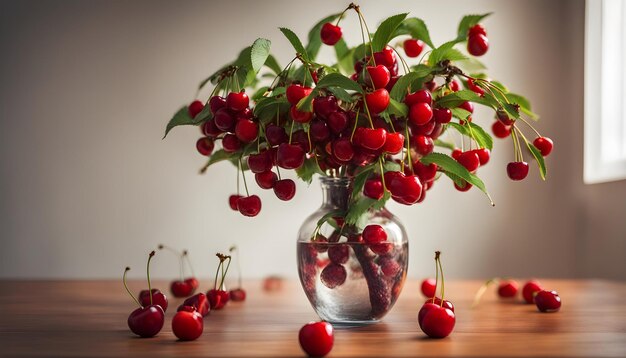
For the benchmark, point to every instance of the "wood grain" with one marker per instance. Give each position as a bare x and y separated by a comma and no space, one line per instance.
88,318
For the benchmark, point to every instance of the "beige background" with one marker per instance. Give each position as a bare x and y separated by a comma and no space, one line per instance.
88,186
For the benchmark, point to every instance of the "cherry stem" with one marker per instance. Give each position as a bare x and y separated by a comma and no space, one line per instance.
243,175
443,287
186,257
181,264
236,250
126,287
356,122
150,256
405,65
369,36
481,291
291,130
436,276
408,148
225,271
382,173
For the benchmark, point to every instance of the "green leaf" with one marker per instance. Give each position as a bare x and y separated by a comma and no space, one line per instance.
444,144
437,55
273,64
539,158
307,170
471,64
524,104
466,23
341,94
359,208
460,113
386,30
476,132
315,41
455,99
448,164
295,42
259,53
402,86
398,109
361,178
344,56
181,118
339,80
216,157
416,28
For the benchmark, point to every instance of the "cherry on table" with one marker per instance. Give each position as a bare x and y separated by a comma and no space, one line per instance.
316,338
158,298
237,295
507,288
181,288
529,290
548,301
187,324
198,301
436,321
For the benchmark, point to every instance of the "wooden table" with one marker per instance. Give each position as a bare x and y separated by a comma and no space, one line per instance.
88,318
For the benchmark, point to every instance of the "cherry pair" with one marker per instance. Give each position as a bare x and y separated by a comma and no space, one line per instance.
477,42
436,318
184,287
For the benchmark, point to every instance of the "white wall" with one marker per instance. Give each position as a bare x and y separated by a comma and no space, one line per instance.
88,186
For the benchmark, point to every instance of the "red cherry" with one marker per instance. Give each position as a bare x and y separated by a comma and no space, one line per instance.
194,108
224,120
193,282
275,135
372,139
456,153
455,86
285,189
187,324
500,130
420,113
146,321
158,298
517,170
296,92
474,87
237,295
425,172
469,160
377,101
548,301
477,45
249,205
483,155
529,290
265,180
544,144
437,322
421,96
300,116
477,29
246,130
198,301
379,76
337,121
339,253
324,106
413,47
468,106
330,34
342,149
237,101
232,201
442,115
429,286
446,304
205,146
230,143
319,130
388,266
373,234
217,298
316,338
507,289
260,162
209,129
181,288
333,275
289,156
467,186
405,189
394,142
216,103
373,188
424,144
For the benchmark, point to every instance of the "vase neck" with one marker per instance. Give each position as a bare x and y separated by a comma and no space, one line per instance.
336,193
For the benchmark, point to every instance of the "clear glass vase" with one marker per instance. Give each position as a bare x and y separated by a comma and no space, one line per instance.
347,281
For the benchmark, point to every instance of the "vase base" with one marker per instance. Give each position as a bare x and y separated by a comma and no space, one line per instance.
352,324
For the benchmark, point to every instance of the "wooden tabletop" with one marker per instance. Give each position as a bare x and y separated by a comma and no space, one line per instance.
88,318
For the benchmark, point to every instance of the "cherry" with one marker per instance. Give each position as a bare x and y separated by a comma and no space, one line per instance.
503,117
300,116
337,121
296,92
483,155
319,130
232,201
463,188
333,275
469,160
237,101
238,295
379,76
455,86
413,47
199,302
285,189
187,324
421,96
246,130
420,113
260,162
474,87
249,205
548,301
205,146
266,179
147,320
394,142
181,288
316,338
477,29
192,280
442,115
275,135
218,296
446,304
507,289
330,34
424,144
372,139
289,156
388,266
517,170
468,106
339,253
158,298
224,120
434,319
194,108
405,189
342,149
324,106
425,172
529,290
477,45
216,103
544,144
429,287
230,143
373,188
456,153
373,234
377,101
209,129
500,130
